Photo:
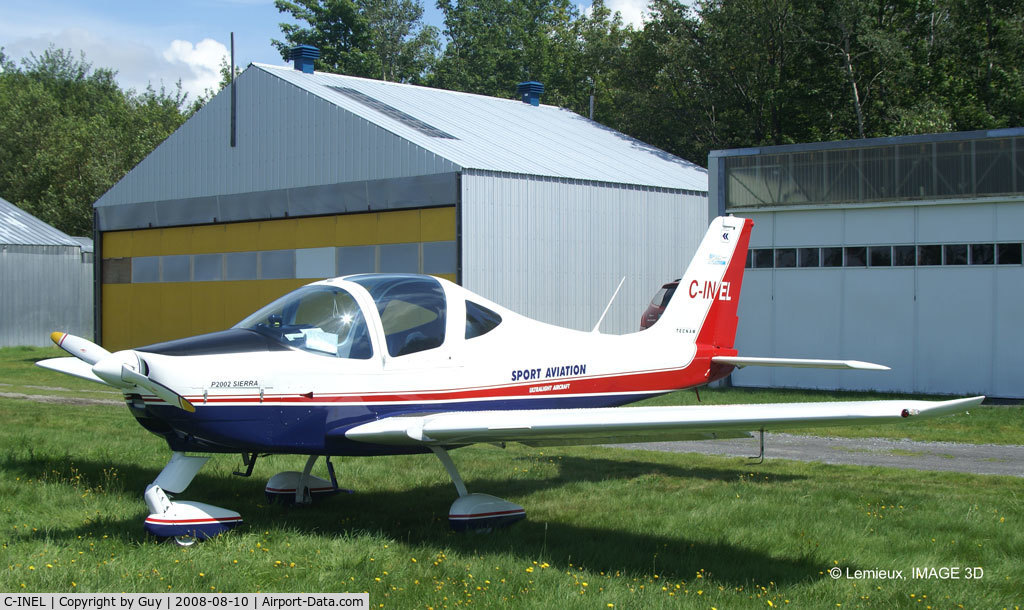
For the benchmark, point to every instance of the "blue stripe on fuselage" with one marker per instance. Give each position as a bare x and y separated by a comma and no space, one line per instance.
320,429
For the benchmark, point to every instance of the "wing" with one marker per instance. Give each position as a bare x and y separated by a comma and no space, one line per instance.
740,362
631,424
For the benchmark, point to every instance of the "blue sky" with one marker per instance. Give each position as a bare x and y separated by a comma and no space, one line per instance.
162,42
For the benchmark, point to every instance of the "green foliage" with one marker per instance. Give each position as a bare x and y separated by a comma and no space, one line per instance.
749,72
68,133
383,39
717,74
495,44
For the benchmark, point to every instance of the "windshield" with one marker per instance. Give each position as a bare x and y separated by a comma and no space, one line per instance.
664,295
412,310
318,319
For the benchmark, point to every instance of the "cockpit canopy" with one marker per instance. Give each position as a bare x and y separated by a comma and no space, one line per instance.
412,310
327,319
318,318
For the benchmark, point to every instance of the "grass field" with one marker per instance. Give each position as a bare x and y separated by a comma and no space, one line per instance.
605,528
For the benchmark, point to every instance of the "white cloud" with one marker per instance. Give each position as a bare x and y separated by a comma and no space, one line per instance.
138,63
633,11
202,60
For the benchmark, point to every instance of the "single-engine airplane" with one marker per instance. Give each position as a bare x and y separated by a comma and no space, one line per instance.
373,364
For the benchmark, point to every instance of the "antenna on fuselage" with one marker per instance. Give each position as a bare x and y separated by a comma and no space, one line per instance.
609,305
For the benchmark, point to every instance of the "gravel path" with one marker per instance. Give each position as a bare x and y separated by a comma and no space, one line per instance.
916,455
62,400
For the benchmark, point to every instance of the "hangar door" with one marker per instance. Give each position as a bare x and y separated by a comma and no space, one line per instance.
163,284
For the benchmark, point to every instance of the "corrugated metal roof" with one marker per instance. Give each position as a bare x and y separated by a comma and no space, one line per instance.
19,227
502,135
84,242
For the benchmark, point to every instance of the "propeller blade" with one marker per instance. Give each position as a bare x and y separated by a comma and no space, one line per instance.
158,389
78,347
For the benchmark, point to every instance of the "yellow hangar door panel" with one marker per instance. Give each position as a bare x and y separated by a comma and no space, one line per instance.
164,284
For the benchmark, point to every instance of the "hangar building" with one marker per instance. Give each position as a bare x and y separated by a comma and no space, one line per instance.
904,251
292,175
46,280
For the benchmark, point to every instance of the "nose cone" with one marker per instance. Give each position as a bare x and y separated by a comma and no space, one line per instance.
110,368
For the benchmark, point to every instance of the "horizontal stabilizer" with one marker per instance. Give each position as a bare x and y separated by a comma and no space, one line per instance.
740,362
610,425
71,366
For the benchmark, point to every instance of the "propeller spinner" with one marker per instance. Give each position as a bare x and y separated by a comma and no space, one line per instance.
124,369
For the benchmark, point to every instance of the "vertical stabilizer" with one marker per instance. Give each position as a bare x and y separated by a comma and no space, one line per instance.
703,308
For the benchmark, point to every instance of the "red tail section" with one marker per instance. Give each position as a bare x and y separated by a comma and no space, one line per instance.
719,328
703,308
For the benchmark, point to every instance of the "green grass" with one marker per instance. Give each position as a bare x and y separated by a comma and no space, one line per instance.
640,529
18,374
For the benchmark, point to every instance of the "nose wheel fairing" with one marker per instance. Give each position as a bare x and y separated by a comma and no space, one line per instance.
184,521
187,520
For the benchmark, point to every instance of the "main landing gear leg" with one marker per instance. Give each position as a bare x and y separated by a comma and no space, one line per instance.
476,512
301,487
184,522
760,456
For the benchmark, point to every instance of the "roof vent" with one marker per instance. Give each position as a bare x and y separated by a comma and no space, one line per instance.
303,55
530,92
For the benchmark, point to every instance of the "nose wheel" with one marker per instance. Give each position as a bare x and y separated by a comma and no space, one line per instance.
184,522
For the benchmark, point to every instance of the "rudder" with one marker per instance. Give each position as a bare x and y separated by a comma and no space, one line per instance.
704,305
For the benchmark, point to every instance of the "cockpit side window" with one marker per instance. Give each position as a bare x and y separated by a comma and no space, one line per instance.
480,320
319,319
412,310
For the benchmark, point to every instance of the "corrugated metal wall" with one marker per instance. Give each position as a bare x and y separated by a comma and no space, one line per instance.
555,249
949,329
44,289
287,138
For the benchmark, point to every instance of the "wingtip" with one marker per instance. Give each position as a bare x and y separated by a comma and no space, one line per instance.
871,366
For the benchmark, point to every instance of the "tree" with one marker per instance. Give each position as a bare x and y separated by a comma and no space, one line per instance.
975,62
603,44
68,133
383,39
495,44
403,47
